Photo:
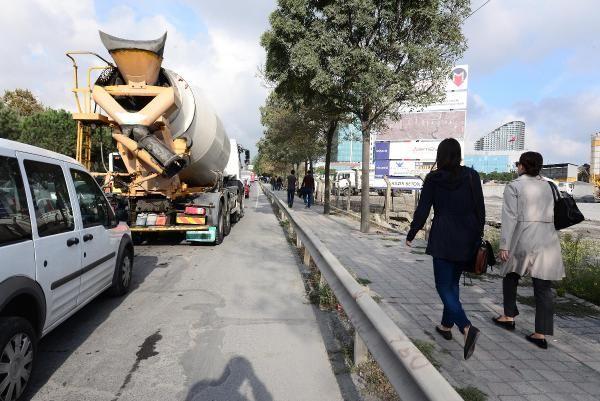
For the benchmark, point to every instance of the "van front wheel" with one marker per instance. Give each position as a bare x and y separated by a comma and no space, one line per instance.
18,352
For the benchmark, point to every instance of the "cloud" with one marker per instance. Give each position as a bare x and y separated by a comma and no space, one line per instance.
222,59
505,31
558,127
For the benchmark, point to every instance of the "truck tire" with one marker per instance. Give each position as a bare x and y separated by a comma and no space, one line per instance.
123,272
227,223
219,235
16,334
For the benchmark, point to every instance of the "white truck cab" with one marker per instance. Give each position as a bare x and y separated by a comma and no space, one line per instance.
60,247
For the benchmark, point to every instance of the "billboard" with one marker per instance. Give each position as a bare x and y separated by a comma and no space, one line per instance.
425,125
413,150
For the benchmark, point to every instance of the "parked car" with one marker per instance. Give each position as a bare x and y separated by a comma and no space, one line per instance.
60,245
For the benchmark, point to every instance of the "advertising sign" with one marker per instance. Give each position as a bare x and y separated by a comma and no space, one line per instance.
382,150
425,125
453,101
382,167
414,150
402,167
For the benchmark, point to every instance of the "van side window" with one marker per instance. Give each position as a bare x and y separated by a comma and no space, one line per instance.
53,211
95,210
15,225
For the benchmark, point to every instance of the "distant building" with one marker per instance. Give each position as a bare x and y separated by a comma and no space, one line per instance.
510,136
492,161
347,145
595,156
562,172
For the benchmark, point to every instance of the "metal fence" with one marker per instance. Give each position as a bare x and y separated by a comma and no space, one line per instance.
408,370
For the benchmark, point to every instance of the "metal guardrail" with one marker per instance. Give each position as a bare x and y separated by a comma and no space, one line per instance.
407,369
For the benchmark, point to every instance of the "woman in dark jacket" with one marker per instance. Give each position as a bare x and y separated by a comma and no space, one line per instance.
459,216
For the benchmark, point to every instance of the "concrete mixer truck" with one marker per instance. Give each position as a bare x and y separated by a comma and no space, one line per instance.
180,171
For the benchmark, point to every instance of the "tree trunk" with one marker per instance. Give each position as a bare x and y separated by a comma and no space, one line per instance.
364,196
310,163
327,199
305,167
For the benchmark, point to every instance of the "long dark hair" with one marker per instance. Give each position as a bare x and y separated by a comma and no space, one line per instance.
449,155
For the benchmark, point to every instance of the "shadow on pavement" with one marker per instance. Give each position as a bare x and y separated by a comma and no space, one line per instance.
55,348
237,371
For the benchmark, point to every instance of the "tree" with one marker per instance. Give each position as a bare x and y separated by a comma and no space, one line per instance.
51,129
23,102
292,136
10,123
371,56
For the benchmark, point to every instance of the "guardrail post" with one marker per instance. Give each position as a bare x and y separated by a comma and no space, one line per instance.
348,199
298,242
306,257
361,352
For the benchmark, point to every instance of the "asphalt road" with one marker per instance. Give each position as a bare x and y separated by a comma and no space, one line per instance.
201,323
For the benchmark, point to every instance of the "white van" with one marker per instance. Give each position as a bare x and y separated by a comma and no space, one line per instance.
60,247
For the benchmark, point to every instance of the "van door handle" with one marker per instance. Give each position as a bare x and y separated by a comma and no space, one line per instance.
72,241
88,237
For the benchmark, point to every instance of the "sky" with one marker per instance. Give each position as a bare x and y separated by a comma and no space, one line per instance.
529,59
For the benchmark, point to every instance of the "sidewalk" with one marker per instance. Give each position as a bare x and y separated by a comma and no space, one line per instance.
505,366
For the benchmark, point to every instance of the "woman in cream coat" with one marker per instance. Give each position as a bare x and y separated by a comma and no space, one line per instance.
529,244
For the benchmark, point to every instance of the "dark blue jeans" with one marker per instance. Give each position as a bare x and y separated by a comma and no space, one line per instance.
291,193
447,279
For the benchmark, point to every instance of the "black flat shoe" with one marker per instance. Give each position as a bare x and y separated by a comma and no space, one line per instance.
447,334
471,340
506,324
540,342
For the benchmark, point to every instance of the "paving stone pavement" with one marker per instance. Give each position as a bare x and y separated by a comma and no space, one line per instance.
505,366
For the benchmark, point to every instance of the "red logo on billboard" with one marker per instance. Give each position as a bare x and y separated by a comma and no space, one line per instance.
512,139
459,76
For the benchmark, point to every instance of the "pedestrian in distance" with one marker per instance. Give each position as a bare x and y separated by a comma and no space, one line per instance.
274,183
529,244
279,183
308,186
292,181
455,193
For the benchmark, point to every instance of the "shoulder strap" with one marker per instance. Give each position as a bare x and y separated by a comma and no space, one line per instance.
555,193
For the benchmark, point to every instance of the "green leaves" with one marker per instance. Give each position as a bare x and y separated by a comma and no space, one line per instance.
24,119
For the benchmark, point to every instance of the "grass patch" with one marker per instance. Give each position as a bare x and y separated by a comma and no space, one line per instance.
427,349
320,292
375,381
392,239
582,268
471,393
284,223
363,281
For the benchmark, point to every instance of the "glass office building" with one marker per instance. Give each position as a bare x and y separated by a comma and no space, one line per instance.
489,162
348,145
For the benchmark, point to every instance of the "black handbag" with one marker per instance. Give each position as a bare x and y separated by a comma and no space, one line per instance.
566,212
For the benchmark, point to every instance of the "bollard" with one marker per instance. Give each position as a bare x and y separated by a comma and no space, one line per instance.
361,352
306,257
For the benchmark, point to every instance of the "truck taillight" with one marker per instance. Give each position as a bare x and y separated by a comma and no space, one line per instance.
195,210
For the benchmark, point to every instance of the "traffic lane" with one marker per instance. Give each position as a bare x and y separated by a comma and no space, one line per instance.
224,323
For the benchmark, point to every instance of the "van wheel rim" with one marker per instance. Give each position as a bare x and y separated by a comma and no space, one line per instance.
16,363
126,271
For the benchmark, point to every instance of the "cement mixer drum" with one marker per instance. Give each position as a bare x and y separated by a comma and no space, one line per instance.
196,121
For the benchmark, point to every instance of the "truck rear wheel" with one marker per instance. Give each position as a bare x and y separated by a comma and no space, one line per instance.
219,235
227,222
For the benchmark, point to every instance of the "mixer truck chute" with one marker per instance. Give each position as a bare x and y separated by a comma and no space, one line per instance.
180,171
